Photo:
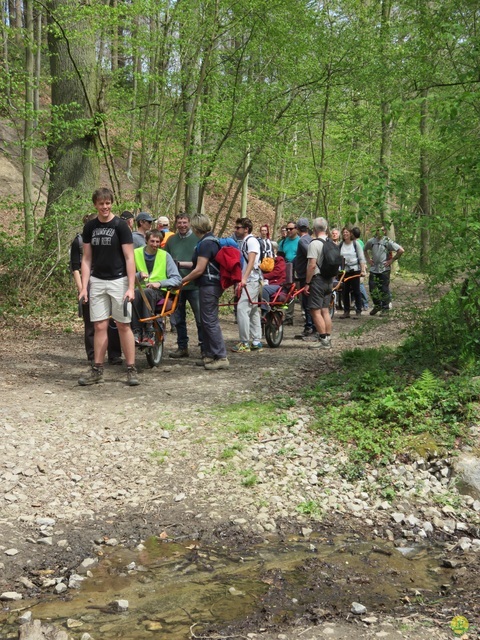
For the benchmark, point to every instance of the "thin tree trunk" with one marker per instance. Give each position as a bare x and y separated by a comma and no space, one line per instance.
6,65
424,200
245,183
38,62
28,125
386,123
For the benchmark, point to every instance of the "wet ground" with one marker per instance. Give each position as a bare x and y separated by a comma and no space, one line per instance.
185,588
206,577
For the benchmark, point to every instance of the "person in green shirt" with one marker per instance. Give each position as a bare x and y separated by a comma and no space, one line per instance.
181,246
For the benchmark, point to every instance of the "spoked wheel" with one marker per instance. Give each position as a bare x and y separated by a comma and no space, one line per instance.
154,354
274,328
333,304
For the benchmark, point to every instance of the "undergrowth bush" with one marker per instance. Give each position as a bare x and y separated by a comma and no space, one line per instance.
379,402
33,281
448,333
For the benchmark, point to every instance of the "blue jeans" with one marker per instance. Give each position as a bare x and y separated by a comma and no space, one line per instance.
191,296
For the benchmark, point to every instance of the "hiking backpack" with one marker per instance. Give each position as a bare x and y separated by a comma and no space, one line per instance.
229,259
266,260
331,259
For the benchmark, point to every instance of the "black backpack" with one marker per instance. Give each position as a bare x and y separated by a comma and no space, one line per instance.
332,259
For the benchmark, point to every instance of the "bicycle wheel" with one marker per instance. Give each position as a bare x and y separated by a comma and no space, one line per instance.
333,304
154,354
274,329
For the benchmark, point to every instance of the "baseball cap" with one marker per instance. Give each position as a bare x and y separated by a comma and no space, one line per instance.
126,215
144,216
303,222
163,220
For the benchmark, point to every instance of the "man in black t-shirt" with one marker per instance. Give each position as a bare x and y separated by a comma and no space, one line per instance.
108,246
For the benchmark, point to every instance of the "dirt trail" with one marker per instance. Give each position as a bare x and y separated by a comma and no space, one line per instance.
40,395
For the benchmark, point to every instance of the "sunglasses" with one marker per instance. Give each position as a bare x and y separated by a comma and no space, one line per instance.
240,227
291,228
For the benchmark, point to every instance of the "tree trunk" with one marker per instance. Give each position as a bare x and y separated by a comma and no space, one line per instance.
386,122
28,125
245,183
424,200
73,154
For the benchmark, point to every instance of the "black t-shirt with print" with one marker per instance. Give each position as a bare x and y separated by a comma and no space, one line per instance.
106,240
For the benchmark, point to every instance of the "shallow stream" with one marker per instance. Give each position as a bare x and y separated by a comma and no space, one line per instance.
175,588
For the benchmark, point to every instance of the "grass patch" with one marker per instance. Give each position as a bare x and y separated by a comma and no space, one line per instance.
230,452
309,508
247,419
249,478
379,403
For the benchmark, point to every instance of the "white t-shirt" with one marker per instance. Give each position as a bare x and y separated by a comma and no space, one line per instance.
250,244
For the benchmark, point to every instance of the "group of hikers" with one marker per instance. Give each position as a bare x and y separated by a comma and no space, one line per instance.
122,273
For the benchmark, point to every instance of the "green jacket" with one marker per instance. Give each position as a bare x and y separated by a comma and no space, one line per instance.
159,271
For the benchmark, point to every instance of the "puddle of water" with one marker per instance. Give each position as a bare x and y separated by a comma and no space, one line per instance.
174,586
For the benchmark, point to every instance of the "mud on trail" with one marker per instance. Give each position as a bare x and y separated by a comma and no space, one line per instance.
113,465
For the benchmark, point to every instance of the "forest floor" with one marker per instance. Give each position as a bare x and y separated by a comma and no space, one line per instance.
119,463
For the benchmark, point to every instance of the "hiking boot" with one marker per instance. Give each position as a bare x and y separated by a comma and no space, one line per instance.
256,346
288,322
322,343
313,338
114,361
358,314
375,310
308,331
179,353
205,360
344,316
241,347
137,335
132,379
94,376
221,363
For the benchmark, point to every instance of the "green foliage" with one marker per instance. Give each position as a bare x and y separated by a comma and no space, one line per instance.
380,401
309,508
249,478
448,333
247,419
230,452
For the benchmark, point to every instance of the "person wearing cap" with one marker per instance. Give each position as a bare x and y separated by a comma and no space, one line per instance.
301,273
164,225
144,224
181,246
129,218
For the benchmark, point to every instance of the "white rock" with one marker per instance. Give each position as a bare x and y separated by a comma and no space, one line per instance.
87,564
10,596
179,497
25,618
119,605
398,517
11,552
75,581
358,609
61,587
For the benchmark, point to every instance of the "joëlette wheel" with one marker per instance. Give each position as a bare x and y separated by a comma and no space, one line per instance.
274,329
155,353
